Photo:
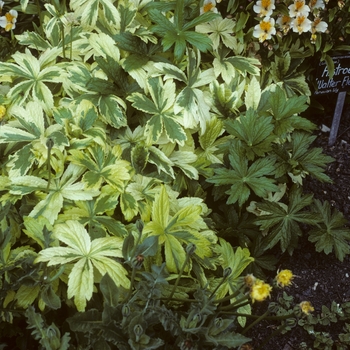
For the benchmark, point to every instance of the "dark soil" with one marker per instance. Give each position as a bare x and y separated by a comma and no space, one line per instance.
321,278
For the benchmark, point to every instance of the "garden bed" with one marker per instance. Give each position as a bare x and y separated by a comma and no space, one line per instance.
320,278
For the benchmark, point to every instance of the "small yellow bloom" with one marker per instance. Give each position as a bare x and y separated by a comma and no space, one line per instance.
306,307
9,20
284,278
2,112
260,290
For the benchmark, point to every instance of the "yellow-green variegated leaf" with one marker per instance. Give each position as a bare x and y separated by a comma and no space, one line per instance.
160,211
161,161
184,217
114,269
74,235
237,260
108,246
78,191
84,255
34,72
175,254
112,110
88,10
213,130
104,46
10,134
49,207
81,283
58,255
22,185
183,160
34,228
128,205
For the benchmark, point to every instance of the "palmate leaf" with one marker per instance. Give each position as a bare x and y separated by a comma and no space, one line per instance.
86,255
29,130
32,73
103,165
190,101
221,31
88,11
176,230
331,232
283,221
161,109
90,212
244,179
64,188
298,159
254,132
281,106
178,33
237,260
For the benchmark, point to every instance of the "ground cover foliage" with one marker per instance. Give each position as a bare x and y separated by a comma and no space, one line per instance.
153,155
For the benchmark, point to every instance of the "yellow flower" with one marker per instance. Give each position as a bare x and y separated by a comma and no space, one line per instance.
264,8
260,290
2,112
306,307
265,29
208,5
284,278
9,20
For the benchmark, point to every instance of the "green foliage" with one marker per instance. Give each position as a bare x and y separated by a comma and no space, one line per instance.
331,232
282,221
149,159
178,32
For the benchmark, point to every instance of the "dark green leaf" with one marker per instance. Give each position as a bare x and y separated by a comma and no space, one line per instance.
85,321
50,298
109,290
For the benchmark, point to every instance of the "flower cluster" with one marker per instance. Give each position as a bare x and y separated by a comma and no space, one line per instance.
8,22
301,18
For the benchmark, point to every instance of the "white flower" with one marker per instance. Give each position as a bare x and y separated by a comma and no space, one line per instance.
319,26
2,3
264,8
298,8
284,22
301,24
208,5
317,4
265,29
8,21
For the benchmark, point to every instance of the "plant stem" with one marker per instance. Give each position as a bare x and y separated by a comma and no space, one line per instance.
178,278
245,330
235,305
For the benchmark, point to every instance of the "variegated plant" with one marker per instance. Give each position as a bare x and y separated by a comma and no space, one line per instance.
124,122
